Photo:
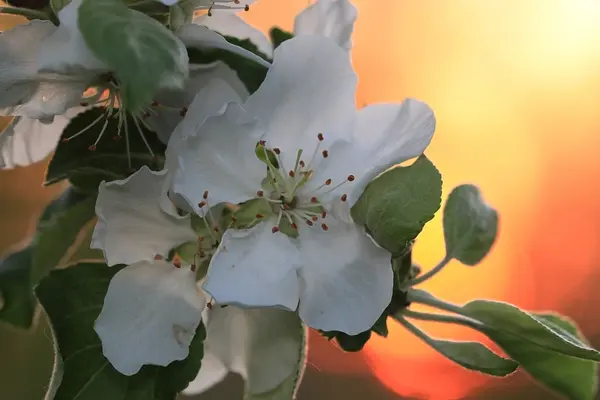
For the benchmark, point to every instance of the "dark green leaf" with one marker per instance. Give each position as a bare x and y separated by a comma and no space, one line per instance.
279,36
249,71
350,343
380,326
143,54
470,225
397,204
59,225
73,298
109,160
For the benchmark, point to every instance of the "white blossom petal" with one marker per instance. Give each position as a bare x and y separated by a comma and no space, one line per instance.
26,141
131,224
230,24
255,268
200,37
219,159
333,19
346,280
65,50
150,315
171,102
309,90
264,346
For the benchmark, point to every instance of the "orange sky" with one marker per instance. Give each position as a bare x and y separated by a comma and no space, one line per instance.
516,89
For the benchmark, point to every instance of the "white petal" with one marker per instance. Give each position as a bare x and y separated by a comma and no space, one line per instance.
131,224
26,141
309,90
262,345
220,159
255,268
387,135
65,50
330,18
150,315
168,116
200,37
229,24
18,51
346,280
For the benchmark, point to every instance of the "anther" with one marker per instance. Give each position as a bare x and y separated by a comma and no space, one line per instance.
158,257
292,174
344,197
328,182
259,216
301,163
205,195
314,218
275,229
309,222
201,204
146,115
209,305
84,104
246,7
324,227
177,263
351,178
201,239
233,218
294,226
183,111
64,140
116,138
320,137
193,268
262,142
260,193
314,200
325,153
154,103
92,147
324,214
276,151
216,229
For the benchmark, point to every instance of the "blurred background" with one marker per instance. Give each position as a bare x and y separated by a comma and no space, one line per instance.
515,85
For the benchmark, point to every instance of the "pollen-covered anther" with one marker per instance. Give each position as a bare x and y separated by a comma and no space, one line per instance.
320,137
260,193
275,229
324,227
314,218
183,111
314,200
92,147
292,174
351,178
344,197
201,204
276,151
328,182
325,153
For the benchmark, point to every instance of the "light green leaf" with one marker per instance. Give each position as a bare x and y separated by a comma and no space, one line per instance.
471,355
73,298
522,333
180,14
143,54
59,225
470,225
397,204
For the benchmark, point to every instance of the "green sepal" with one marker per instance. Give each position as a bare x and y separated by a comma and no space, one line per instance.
73,298
279,36
247,215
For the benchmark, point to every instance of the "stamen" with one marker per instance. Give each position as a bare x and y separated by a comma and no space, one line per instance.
320,137
183,111
276,151
309,222
205,195
292,174
177,263
350,178
94,122
314,218
324,227
314,200
193,267
260,193
137,125
275,229
324,214
201,204
325,153
259,216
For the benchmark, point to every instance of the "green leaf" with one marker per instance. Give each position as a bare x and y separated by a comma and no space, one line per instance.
251,73
517,331
470,225
110,158
397,204
289,387
180,14
279,36
143,54
73,298
349,343
82,251
380,326
59,225
471,355
58,5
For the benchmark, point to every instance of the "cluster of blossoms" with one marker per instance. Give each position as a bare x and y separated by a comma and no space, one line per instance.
296,154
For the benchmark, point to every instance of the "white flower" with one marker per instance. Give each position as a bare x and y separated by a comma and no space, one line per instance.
152,308
333,273
264,346
333,19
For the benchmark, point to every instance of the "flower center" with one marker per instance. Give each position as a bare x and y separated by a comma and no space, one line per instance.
286,190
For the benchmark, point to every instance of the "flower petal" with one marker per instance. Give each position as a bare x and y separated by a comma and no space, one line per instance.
254,268
150,315
172,102
65,50
131,224
26,141
200,37
309,89
18,51
346,280
220,158
230,24
333,19
387,135
264,346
